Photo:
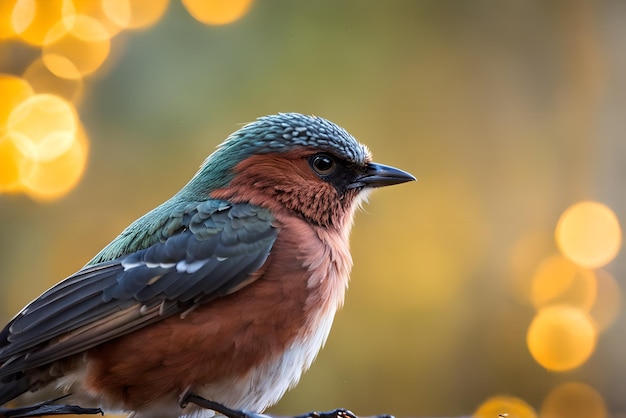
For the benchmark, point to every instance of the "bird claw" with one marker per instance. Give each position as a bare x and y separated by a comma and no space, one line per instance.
235,413
337,413
47,408
218,407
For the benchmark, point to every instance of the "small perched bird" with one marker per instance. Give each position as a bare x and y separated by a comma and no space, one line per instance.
225,293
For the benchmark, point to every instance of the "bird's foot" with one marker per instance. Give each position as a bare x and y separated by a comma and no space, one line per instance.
337,413
235,413
47,408
218,407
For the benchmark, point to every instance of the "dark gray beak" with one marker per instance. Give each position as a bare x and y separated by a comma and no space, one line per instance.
379,175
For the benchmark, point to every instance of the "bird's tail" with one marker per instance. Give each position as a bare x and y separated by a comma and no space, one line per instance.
47,408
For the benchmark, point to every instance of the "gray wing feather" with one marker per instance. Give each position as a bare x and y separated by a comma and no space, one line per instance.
212,252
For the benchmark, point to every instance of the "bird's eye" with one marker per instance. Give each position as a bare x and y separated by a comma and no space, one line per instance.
323,164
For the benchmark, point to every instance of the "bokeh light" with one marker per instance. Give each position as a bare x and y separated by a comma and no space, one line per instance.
559,281
573,400
49,123
217,12
504,406
561,337
43,80
13,91
135,14
78,51
575,303
32,19
6,26
117,11
56,177
44,148
101,9
589,234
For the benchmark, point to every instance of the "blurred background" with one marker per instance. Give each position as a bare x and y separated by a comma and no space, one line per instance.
493,285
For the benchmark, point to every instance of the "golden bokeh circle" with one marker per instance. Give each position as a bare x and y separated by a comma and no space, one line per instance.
217,12
561,337
117,11
135,14
48,121
32,20
557,280
6,25
97,9
573,400
77,51
589,234
56,177
44,81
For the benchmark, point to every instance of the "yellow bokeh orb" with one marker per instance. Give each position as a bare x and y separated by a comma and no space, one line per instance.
573,400
589,234
13,91
56,177
135,14
117,11
49,123
561,337
559,281
6,26
32,19
44,81
503,405
96,10
77,51
217,12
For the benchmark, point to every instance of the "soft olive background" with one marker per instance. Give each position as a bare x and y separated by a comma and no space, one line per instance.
507,111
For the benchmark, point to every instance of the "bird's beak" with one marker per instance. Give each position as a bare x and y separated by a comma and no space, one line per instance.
379,175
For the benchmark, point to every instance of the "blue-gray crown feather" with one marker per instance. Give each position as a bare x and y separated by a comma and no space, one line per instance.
274,133
284,131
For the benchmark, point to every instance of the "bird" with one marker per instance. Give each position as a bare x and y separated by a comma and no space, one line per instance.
225,293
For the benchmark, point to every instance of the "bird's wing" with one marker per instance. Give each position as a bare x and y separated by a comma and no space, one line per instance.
213,253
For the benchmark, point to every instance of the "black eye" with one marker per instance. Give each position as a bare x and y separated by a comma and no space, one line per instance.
323,164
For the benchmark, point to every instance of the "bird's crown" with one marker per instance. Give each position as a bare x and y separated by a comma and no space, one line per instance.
275,133
281,132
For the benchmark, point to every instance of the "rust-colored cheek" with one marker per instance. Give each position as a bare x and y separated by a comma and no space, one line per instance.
285,182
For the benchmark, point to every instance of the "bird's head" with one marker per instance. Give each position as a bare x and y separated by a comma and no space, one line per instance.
304,164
